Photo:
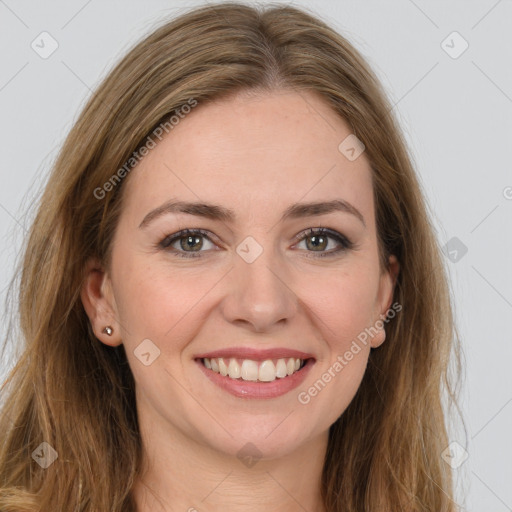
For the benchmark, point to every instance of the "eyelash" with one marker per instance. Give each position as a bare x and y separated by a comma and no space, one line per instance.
345,243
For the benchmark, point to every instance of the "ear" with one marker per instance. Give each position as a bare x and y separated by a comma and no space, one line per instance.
384,298
99,303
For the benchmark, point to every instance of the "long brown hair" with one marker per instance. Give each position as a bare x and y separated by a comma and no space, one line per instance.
77,394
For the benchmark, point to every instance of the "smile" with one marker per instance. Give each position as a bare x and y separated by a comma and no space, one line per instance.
256,374
254,371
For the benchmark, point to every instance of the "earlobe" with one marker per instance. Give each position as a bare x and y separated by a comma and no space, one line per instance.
379,338
98,303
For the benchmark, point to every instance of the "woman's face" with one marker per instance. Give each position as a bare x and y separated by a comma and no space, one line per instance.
258,175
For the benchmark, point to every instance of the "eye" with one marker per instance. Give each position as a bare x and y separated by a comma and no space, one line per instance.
186,242
323,241
190,243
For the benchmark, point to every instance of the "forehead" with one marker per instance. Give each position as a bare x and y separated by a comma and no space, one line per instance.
253,153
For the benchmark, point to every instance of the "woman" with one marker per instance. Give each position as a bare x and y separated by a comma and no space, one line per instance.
232,296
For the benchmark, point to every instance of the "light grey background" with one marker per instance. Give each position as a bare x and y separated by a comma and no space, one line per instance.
457,116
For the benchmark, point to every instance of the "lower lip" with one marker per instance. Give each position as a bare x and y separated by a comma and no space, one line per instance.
251,389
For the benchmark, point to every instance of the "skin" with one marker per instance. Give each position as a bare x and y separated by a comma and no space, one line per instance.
255,154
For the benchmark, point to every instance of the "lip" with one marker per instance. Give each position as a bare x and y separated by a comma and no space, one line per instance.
257,390
255,354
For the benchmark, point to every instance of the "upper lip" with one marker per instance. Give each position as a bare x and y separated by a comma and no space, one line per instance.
255,354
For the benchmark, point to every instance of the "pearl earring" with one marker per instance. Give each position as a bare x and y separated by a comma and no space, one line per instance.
108,330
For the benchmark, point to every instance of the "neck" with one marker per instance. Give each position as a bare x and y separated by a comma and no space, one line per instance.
180,474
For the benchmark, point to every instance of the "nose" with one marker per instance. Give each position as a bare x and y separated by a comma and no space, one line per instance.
259,295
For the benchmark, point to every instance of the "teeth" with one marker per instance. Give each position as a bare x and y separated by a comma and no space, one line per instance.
234,370
222,367
267,371
281,368
249,370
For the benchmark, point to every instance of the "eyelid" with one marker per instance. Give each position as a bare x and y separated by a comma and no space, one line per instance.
166,243
341,239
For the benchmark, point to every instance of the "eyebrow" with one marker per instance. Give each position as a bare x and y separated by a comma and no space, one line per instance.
216,212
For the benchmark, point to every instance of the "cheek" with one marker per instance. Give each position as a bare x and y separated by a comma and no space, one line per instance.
162,305
342,310
343,304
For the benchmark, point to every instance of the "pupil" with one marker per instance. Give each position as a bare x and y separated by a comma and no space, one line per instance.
317,241
191,241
